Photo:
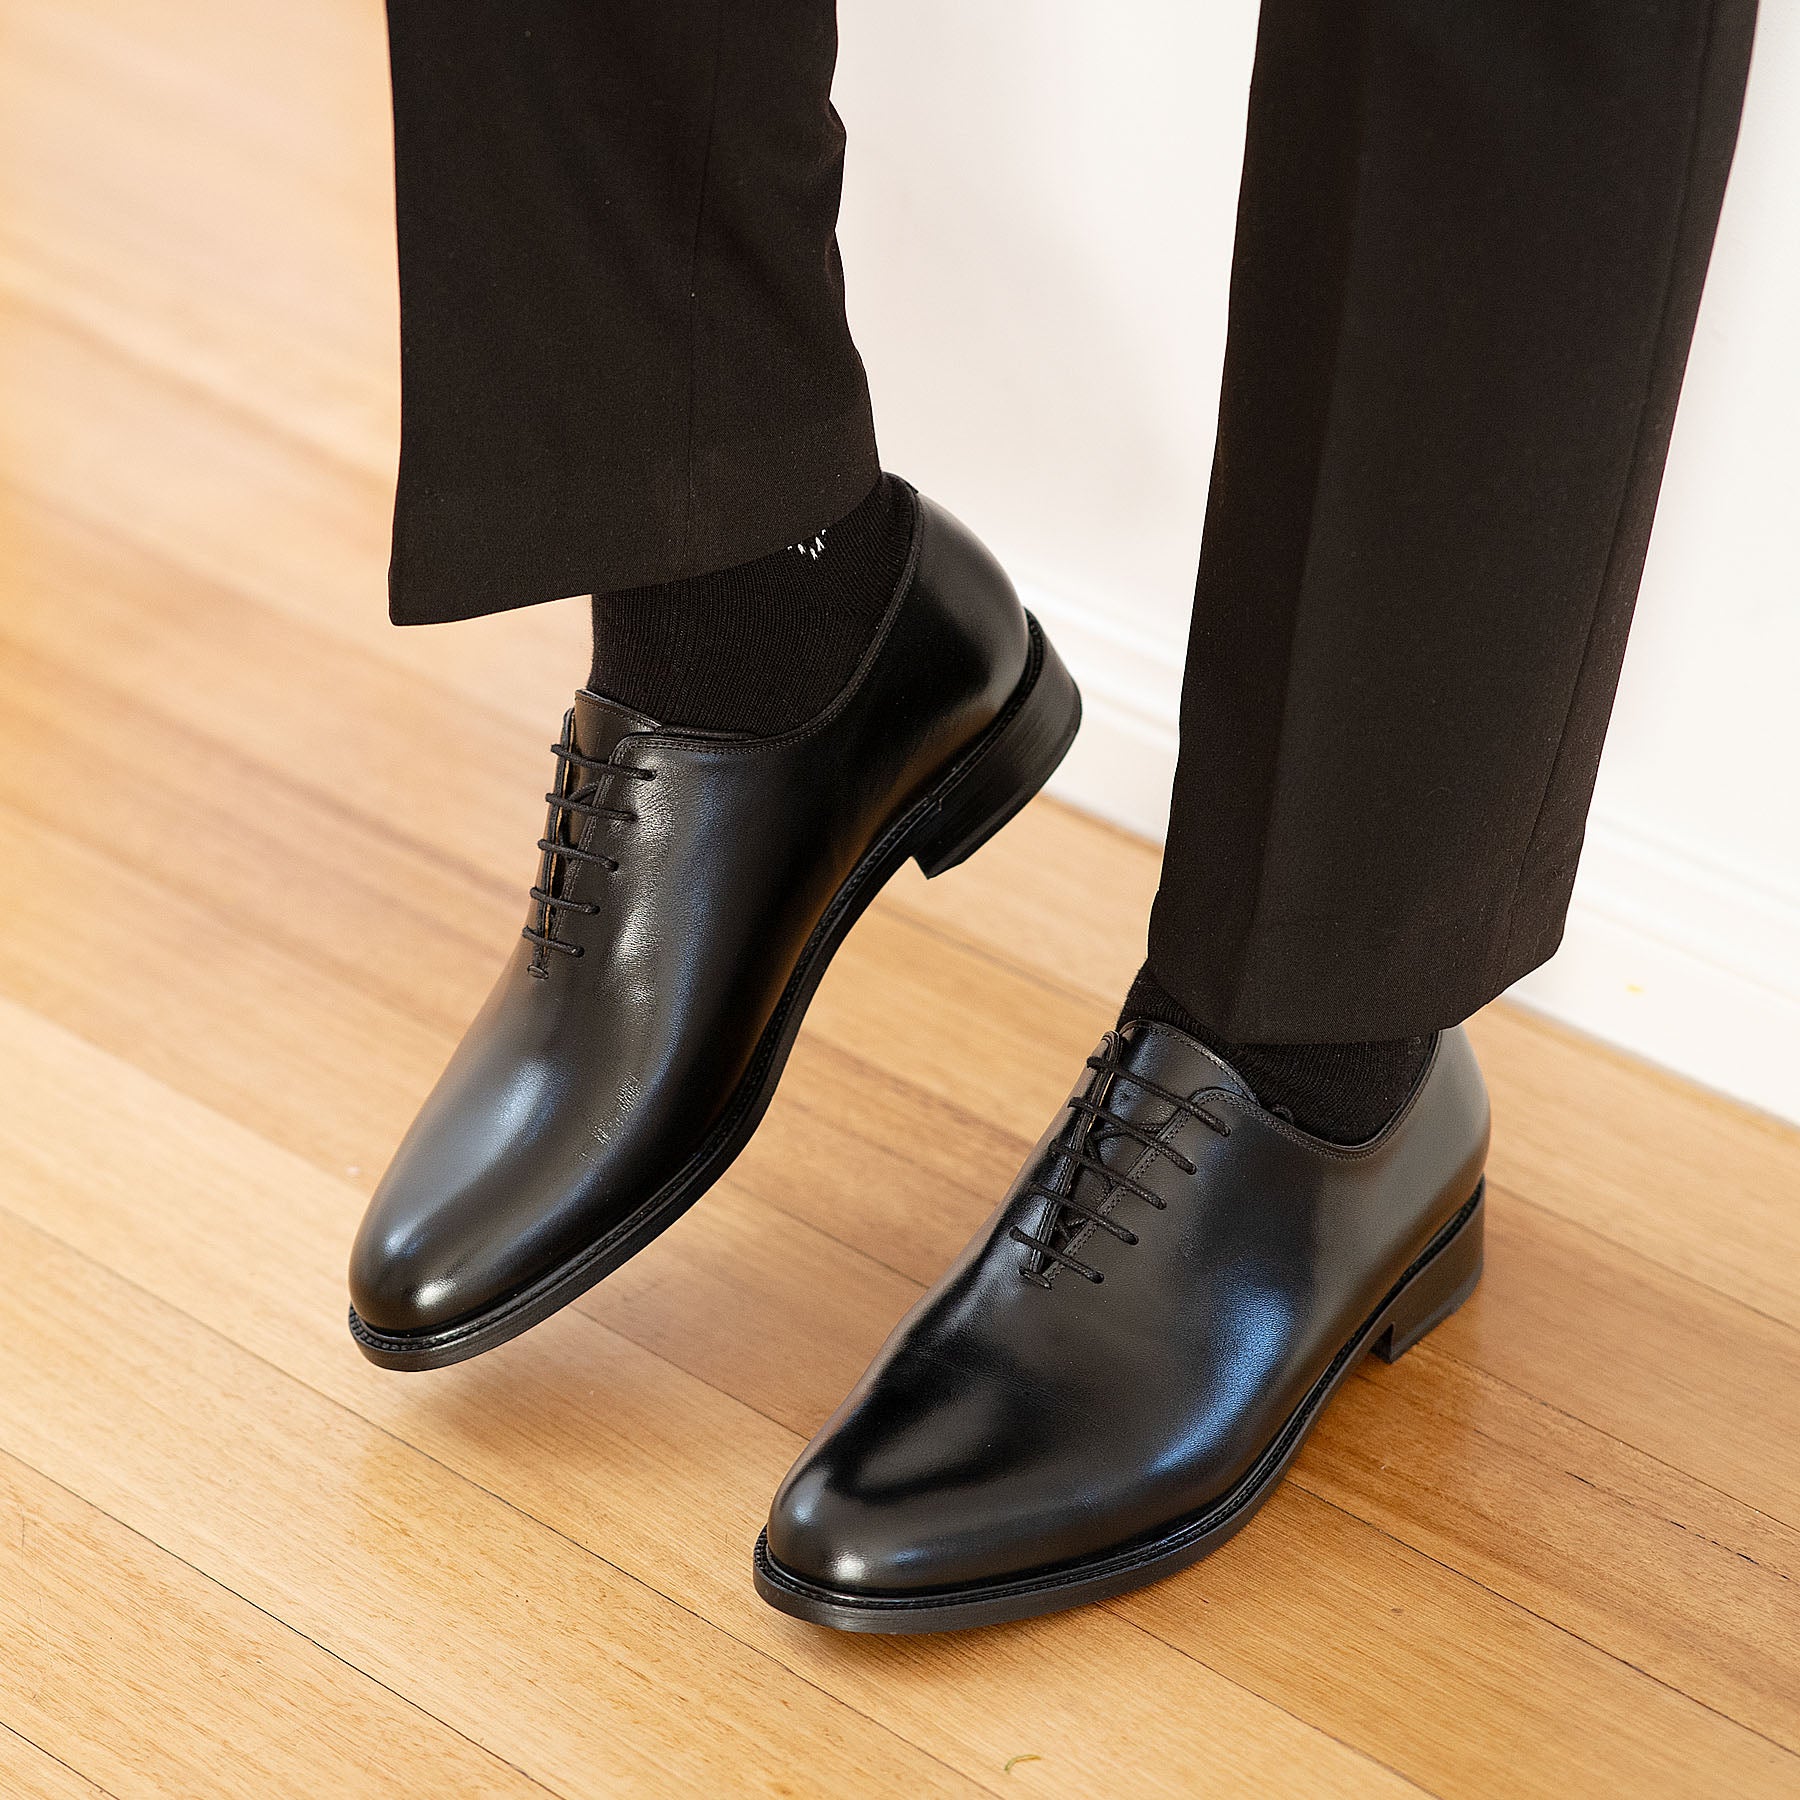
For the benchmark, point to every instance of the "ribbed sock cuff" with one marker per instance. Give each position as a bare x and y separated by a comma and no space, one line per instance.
1342,1092
765,646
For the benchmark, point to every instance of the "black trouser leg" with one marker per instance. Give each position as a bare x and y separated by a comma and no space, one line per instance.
622,325
1471,241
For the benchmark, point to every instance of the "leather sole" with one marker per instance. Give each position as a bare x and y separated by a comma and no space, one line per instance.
990,782
1444,1275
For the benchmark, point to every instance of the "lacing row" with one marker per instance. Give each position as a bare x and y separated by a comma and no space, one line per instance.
583,804
1098,1121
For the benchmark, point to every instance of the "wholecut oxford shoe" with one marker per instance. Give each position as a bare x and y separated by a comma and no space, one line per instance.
1117,1371
692,889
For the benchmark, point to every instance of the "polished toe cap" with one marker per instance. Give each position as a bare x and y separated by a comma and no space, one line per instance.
839,1540
402,1282
431,1253
925,1484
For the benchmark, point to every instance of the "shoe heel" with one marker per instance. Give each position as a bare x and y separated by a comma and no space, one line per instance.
1437,1290
1010,768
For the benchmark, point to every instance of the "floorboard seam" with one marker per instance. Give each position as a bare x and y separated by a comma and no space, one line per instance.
287,1625
1563,1630
375,1425
51,1756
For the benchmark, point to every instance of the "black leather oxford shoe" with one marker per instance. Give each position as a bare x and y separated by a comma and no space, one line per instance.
1117,1371
692,889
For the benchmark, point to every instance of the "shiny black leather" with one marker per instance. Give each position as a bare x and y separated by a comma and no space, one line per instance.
1025,1417
598,1080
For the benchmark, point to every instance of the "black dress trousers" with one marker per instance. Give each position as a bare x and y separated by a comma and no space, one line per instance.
1471,241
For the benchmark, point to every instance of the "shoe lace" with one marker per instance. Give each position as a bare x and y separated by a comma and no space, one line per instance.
558,855
1098,1123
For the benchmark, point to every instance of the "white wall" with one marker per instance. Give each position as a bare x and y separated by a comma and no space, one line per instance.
1037,231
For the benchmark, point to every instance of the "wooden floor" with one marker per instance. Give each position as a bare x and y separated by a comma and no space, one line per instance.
259,855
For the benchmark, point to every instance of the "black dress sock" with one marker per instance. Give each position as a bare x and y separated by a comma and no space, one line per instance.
1343,1092
765,646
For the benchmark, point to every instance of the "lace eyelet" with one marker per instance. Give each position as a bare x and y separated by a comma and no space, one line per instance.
582,802
1093,1111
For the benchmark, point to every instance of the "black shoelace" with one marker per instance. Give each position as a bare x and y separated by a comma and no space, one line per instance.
1097,1125
583,803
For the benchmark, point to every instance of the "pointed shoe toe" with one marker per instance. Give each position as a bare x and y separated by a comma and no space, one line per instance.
401,1289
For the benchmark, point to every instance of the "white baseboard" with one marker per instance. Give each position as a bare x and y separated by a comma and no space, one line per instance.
1681,961
1668,954
1123,763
